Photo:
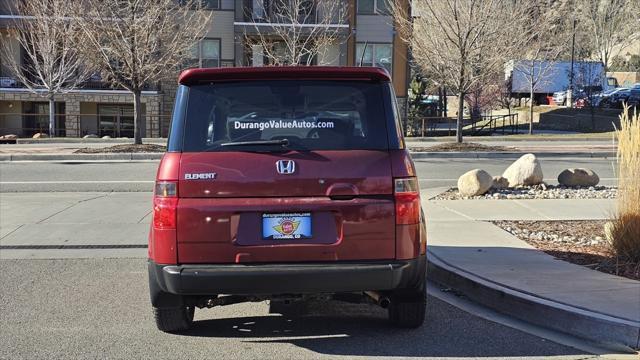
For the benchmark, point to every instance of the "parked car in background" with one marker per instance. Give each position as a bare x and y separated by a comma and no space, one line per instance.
622,97
634,99
580,103
605,97
581,96
559,97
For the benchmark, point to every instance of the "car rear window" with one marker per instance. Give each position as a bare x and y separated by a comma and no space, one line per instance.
309,114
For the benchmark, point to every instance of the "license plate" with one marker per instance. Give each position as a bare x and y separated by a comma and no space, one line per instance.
286,226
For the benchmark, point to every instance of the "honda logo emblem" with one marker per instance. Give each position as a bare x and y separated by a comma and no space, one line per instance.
285,166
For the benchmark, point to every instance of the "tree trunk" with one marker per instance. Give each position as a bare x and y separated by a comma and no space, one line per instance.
444,94
460,119
510,122
531,111
52,115
138,122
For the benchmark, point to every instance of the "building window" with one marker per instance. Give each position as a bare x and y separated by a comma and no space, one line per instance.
259,10
206,4
380,55
36,118
115,120
206,53
379,7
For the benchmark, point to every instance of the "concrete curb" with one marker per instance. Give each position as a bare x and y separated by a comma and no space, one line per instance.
415,155
597,327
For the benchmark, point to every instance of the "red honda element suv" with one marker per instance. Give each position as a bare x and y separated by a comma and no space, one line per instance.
284,184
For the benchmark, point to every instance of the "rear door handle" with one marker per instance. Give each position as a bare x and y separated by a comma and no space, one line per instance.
342,197
342,191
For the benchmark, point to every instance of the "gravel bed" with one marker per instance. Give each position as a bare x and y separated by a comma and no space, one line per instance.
537,192
124,148
465,147
580,242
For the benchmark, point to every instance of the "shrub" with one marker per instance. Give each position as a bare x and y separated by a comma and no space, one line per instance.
624,231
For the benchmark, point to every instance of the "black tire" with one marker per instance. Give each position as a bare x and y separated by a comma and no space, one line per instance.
408,307
174,319
407,314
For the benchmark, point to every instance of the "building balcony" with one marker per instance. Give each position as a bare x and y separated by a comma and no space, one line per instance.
8,83
259,18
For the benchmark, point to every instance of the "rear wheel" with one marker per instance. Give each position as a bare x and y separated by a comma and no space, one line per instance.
408,310
174,319
409,306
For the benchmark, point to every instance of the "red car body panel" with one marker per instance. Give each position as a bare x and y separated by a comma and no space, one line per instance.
318,173
353,215
219,221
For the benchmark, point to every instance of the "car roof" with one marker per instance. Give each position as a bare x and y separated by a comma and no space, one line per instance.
195,76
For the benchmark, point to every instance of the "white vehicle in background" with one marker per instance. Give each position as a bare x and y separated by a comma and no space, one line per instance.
559,97
555,79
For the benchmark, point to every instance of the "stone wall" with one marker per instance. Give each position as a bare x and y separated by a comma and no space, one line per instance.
580,120
151,101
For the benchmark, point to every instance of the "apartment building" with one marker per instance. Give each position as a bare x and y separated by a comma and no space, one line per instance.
366,37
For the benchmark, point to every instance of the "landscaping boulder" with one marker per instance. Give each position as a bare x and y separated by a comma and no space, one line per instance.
9,137
90,136
474,182
524,171
40,135
578,177
500,183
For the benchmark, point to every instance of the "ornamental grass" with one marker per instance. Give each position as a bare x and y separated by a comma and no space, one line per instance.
624,230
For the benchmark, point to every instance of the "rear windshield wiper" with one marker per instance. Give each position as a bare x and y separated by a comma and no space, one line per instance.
280,142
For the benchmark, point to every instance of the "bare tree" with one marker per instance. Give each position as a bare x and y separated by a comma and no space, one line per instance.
505,101
46,33
611,25
464,40
294,32
546,39
136,43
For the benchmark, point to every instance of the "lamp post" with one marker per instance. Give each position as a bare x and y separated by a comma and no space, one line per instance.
573,47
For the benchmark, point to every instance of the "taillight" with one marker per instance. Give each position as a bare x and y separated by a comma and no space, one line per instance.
165,205
407,196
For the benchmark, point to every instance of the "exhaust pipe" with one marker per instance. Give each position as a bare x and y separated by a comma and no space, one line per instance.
381,300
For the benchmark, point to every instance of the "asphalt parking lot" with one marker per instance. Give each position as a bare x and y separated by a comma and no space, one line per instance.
73,279
99,308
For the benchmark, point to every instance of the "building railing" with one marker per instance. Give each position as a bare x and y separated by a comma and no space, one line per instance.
486,124
271,13
9,82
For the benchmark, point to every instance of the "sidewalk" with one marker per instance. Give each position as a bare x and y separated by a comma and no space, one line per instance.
58,149
498,270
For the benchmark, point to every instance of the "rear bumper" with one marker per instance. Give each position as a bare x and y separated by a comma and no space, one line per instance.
287,278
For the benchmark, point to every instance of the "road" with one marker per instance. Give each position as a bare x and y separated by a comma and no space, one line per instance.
73,280
139,176
98,308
